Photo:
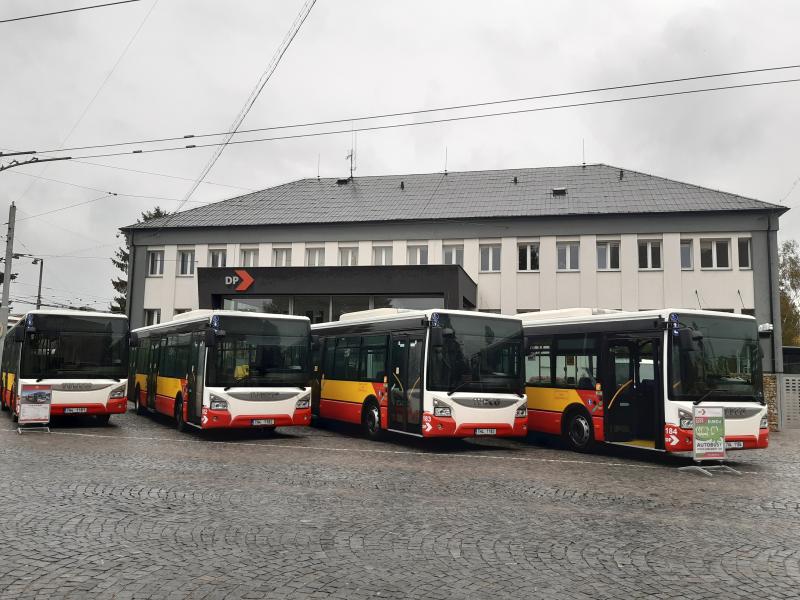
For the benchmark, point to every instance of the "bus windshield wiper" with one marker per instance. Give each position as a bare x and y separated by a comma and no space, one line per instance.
706,395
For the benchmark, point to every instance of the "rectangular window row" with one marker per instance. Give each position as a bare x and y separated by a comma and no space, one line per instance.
714,254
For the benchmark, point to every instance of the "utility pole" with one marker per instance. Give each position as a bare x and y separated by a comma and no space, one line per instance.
12,213
39,293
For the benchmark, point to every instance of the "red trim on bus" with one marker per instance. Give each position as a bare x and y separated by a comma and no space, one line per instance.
599,431
165,405
114,407
446,427
349,412
685,439
218,419
545,421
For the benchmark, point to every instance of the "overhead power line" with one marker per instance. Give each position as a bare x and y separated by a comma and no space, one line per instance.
61,12
251,100
421,111
446,119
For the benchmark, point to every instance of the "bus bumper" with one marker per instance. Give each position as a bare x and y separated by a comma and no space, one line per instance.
446,427
115,406
682,440
222,419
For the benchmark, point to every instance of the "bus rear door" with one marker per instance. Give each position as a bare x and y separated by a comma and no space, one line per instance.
194,379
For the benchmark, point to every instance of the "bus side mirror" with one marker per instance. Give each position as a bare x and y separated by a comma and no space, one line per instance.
315,342
134,340
210,338
437,337
688,338
19,335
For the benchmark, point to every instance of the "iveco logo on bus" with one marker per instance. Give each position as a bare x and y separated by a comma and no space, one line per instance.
490,402
240,281
76,387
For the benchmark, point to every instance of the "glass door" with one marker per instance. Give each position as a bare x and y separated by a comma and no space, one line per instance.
407,352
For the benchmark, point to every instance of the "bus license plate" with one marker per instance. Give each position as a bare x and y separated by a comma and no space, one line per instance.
486,432
263,422
75,411
734,444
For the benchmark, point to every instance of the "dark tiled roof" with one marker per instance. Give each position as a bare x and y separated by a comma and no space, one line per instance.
590,190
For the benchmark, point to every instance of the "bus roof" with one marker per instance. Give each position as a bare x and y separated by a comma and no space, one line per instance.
204,314
378,315
66,312
599,315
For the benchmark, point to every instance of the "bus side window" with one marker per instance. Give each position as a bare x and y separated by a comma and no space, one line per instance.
576,362
373,358
538,370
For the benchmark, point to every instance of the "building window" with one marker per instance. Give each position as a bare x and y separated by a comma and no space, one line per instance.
528,257
418,255
382,256
249,257
749,311
315,257
687,251
185,262
155,263
567,255
744,253
453,254
217,257
650,255
348,257
180,311
490,258
282,257
715,254
152,316
608,256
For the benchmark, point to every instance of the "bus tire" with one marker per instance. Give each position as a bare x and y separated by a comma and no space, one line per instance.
371,420
103,420
180,424
13,407
140,410
577,430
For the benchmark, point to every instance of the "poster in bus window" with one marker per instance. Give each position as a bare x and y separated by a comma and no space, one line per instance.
34,404
709,432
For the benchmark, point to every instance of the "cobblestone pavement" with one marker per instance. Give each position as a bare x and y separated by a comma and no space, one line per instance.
137,510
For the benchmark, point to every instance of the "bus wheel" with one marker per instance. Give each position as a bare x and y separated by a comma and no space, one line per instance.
13,407
371,420
577,430
140,410
103,419
180,424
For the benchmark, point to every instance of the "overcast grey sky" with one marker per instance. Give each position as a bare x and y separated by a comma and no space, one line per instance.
194,62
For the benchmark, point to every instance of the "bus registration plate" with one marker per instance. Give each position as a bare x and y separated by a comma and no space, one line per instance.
263,422
75,411
481,431
734,445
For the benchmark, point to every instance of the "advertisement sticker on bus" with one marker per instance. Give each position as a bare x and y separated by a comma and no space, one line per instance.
709,432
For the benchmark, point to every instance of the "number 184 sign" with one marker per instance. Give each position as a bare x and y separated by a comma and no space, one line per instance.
709,432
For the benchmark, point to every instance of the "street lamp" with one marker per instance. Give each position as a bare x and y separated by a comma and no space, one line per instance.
40,262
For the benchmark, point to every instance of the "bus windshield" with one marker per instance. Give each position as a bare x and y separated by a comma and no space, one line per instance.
722,362
478,354
260,352
70,347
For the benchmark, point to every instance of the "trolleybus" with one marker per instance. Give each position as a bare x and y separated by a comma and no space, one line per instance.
632,378
427,373
80,358
224,369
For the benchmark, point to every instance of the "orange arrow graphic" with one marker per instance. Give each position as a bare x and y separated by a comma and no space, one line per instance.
246,282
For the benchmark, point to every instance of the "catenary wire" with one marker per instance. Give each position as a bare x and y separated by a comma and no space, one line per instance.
61,12
447,119
422,111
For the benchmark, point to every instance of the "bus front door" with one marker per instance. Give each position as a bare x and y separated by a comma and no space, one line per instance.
194,379
631,391
405,381
152,374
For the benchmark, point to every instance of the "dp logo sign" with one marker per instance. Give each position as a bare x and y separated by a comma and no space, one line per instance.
240,281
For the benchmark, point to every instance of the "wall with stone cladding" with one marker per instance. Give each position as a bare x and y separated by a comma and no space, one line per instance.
771,396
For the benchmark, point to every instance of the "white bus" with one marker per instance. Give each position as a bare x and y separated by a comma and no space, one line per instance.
79,357
632,378
224,369
428,373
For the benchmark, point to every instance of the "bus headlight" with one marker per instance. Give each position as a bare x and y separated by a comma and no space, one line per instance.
218,403
522,412
303,402
118,392
440,409
686,419
764,423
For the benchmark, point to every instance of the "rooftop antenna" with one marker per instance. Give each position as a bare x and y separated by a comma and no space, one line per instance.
318,159
352,154
740,297
696,293
583,151
445,160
